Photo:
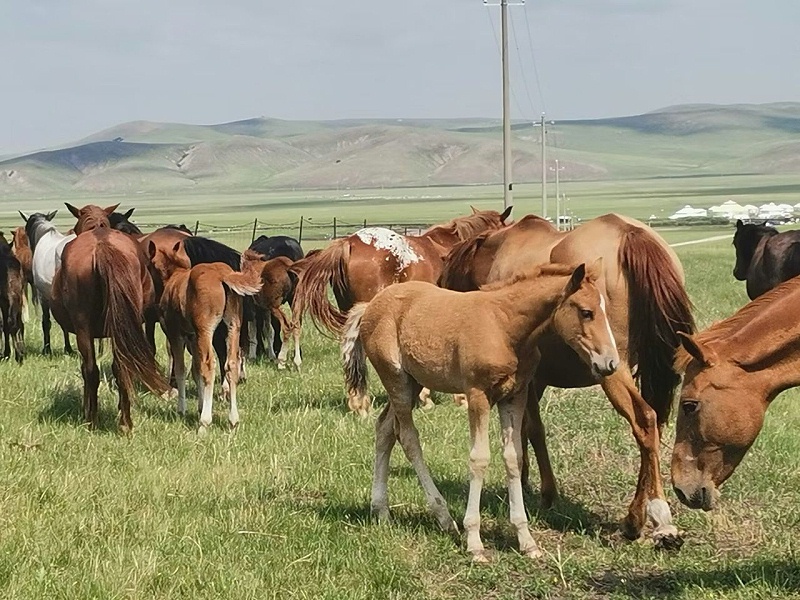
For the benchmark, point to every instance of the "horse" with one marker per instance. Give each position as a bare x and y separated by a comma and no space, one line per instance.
100,290
764,256
120,222
12,299
647,307
733,371
21,249
195,300
360,265
271,247
47,245
277,287
417,334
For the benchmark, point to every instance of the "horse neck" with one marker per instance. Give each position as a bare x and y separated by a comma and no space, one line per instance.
529,304
47,235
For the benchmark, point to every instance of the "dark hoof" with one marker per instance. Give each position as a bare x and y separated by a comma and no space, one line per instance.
668,543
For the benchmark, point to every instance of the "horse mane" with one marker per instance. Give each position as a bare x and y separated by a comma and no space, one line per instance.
725,328
181,227
205,250
457,269
277,245
468,226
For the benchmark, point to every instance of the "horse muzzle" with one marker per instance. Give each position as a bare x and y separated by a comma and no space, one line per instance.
703,497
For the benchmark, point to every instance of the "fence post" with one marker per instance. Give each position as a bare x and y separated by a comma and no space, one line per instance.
334,228
196,226
300,232
255,225
365,223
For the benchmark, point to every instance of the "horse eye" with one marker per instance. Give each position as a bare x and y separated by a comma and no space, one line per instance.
689,407
587,314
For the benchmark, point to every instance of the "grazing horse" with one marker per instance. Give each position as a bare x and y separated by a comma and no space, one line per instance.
47,244
765,257
277,287
195,300
269,248
100,290
21,249
733,371
417,335
360,265
647,307
12,297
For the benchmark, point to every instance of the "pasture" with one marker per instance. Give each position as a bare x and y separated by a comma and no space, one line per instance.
280,507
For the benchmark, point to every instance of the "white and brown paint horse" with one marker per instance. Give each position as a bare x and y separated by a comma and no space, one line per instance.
417,334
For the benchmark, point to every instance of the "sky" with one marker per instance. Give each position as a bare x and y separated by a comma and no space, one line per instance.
74,67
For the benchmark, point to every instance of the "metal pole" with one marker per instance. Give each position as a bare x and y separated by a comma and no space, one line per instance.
196,226
334,228
507,192
544,172
255,226
300,231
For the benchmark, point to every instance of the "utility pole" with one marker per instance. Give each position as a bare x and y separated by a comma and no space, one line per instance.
558,196
507,162
543,124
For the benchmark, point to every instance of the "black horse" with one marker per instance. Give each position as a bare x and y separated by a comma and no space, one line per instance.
205,250
269,248
12,291
120,222
765,257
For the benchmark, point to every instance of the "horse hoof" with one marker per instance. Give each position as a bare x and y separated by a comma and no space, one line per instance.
532,553
548,499
381,515
668,541
281,366
202,431
481,557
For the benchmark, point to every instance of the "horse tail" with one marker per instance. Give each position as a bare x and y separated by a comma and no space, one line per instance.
457,270
243,283
121,279
26,313
316,271
658,309
353,357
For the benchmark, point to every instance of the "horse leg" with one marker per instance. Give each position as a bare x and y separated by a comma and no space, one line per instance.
67,345
125,389
19,342
511,418
285,329
205,370
46,326
275,335
297,360
254,337
176,343
478,462
4,309
649,498
233,309
91,376
384,443
535,432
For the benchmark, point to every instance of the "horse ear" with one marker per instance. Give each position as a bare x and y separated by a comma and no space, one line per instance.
151,249
701,353
110,209
51,215
739,224
75,212
128,213
475,211
24,218
575,280
505,214
176,247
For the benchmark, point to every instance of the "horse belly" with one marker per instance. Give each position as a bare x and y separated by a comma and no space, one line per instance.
431,358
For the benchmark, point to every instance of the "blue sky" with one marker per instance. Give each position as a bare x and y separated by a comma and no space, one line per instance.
72,67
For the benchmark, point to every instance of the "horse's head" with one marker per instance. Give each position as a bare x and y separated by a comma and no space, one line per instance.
718,421
36,225
464,228
120,222
91,217
19,239
166,260
580,319
745,241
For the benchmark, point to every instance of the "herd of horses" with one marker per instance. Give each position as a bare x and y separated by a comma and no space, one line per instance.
491,310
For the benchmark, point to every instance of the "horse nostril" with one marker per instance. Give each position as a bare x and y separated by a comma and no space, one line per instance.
612,365
681,496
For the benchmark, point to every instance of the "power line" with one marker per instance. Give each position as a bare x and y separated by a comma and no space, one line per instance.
522,69
533,59
499,50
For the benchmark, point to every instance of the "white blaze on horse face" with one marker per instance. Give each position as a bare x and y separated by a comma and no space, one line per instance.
392,242
608,324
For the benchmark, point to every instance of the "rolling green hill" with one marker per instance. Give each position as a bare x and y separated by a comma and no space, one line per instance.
264,154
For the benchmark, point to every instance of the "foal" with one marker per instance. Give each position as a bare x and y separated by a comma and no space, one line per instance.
195,300
417,334
12,297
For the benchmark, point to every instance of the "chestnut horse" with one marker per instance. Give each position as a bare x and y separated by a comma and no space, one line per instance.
277,287
21,249
764,256
417,335
734,369
647,307
99,291
195,300
360,265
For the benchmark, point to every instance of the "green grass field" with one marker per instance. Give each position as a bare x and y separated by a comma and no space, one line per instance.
280,508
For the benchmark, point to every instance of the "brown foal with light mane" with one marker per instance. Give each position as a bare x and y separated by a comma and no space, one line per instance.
483,343
734,370
193,303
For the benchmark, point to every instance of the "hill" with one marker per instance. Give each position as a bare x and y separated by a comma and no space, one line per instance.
264,153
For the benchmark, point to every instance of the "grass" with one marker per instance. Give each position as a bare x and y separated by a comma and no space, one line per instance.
279,508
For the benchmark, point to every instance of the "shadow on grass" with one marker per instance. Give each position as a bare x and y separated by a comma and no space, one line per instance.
778,574
67,407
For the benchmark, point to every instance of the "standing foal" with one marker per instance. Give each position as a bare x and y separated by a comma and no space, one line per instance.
483,343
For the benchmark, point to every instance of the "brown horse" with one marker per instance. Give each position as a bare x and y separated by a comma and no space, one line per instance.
420,335
99,291
734,369
647,307
195,300
21,248
360,265
12,299
277,288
